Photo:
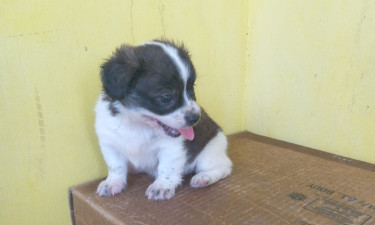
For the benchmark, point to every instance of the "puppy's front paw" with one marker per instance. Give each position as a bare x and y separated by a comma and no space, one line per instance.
111,187
159,191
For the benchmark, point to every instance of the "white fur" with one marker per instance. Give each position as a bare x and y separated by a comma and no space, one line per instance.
130,140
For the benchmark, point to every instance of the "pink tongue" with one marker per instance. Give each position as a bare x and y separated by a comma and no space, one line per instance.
188,133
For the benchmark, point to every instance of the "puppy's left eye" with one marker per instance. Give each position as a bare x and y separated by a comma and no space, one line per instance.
166,98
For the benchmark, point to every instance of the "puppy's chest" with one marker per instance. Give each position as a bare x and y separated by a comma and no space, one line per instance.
140,146
137,139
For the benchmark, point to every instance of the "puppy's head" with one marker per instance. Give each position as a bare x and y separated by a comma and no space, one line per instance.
156,80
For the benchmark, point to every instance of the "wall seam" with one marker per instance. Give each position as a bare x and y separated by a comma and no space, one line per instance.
246,83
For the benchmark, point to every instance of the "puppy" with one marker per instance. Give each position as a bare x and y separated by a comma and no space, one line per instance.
147,120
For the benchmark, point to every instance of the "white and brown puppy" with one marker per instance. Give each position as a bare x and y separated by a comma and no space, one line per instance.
147,120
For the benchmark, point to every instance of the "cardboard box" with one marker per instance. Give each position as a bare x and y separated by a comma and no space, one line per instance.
273,182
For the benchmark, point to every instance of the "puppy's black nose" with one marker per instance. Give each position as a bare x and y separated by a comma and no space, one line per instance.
192,118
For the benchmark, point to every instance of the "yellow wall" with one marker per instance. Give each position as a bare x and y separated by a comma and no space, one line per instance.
311,74
300,71
50,52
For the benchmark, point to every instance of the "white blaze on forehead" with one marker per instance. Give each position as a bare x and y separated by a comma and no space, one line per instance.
182,68
173,53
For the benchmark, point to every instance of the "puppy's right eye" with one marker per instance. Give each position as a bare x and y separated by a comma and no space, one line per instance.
166,98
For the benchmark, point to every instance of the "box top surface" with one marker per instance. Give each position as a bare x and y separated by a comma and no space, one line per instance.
272,182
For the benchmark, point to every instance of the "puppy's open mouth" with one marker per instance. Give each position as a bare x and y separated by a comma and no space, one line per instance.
187,133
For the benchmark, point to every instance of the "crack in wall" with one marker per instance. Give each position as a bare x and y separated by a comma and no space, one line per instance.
162,10
38,158
131,21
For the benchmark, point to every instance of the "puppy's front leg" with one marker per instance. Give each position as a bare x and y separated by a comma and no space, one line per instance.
169,174
117,173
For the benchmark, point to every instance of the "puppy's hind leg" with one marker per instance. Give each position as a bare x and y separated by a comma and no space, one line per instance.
212,164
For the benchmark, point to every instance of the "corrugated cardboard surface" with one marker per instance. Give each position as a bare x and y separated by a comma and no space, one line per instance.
273,182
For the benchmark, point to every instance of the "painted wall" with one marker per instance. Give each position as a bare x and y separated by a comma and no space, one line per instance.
50,53
311,74
300,71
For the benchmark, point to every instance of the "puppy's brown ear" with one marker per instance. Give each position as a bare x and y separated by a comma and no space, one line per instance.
118,72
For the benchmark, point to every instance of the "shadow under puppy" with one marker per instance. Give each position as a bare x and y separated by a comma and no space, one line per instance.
147,120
